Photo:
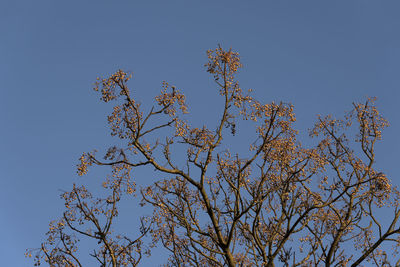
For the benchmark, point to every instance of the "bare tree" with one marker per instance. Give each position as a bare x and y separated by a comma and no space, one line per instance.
285,203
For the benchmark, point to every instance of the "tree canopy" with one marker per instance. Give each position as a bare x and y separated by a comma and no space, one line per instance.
279,203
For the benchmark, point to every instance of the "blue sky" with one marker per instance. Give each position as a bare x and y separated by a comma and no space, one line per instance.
319,55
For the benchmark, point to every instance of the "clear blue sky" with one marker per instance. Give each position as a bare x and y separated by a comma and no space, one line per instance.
319,55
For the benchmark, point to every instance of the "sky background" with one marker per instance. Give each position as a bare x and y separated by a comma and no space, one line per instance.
319,55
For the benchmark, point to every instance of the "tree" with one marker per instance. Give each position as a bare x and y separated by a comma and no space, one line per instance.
285,203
